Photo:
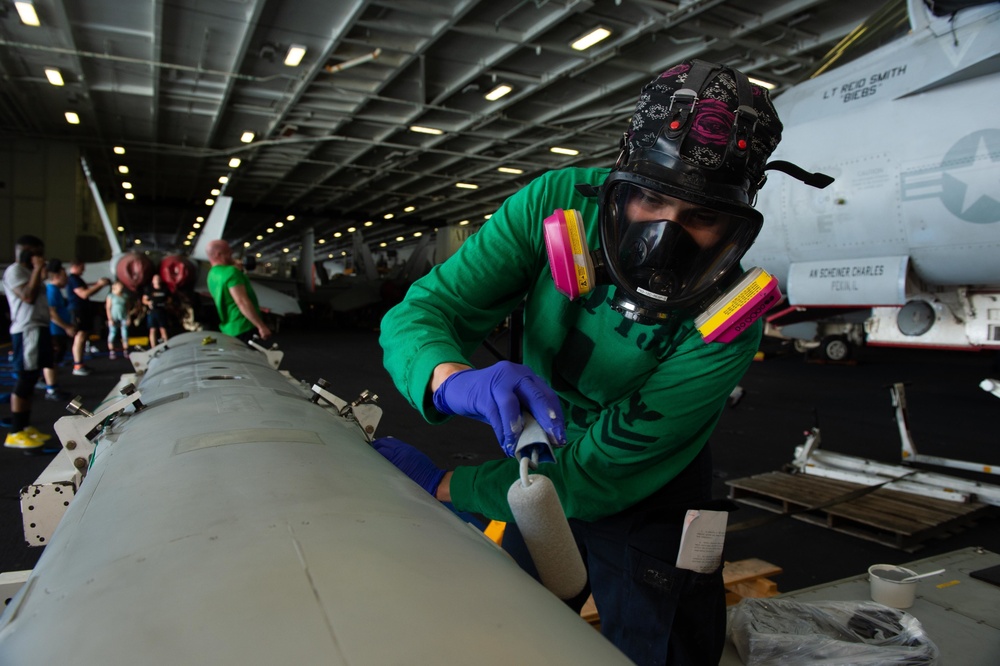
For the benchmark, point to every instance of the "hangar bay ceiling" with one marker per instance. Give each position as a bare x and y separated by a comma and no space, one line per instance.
387,120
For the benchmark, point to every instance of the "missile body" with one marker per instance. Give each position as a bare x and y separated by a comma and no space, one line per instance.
232,520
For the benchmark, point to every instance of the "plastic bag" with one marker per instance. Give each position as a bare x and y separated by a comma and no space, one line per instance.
784,631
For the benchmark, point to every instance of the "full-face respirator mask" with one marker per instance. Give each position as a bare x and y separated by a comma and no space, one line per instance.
676,212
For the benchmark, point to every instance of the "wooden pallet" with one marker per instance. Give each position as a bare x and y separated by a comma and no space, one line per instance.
742,578
890,517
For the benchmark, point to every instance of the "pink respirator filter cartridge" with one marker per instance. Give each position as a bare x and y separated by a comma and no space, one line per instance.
733,312
570,262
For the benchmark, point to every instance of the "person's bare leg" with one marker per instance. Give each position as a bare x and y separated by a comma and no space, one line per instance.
78,341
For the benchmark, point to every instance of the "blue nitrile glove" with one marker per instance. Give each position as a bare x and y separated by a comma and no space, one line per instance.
496,395
410,462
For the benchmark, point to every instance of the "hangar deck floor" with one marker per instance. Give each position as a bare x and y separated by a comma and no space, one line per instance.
785,395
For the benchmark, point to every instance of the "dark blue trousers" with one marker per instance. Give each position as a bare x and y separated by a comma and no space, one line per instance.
652,611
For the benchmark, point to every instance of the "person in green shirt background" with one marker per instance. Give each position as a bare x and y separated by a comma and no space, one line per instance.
619,378
235,300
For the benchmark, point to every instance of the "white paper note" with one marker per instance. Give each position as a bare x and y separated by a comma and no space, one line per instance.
702,540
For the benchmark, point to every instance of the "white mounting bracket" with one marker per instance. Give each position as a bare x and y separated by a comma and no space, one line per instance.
274,355
77,432
362,410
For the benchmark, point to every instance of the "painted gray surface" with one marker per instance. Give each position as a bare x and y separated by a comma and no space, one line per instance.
234,522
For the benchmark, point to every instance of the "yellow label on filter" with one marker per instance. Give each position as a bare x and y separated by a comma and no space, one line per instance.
738,301
581,279
573,229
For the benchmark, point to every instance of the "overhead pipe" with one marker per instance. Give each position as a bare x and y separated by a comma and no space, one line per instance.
347,64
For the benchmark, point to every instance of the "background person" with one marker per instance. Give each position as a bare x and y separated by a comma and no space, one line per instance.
116,308
235,300
621,375
30,341
156,298
81,312
60,328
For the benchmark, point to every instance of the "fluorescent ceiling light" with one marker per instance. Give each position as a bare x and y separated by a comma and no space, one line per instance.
119,150
467,186
126,185
425,130
586,41
510,170
54,76
259,237
409,209
223,180
295,54
498,92
337,234
418,234
235,162
399,239
270,230
26,11
321,241
123,169
279,224
564,151
196,226
367,224
284,249
289,217
215,193
72,118
388,216
463,223
247,137
129,196
762,84
209,202
138,242
199,219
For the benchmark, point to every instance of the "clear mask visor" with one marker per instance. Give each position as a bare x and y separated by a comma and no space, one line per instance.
669,249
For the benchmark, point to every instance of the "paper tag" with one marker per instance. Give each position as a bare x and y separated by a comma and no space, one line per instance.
702,540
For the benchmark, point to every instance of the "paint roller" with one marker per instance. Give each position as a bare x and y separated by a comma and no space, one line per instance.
539,516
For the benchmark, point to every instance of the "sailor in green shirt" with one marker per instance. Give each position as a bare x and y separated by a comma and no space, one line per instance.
620,375
235,300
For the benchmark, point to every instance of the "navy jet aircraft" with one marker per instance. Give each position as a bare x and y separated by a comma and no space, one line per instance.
135,269
904,248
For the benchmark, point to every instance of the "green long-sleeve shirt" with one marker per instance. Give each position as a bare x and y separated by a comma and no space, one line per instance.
640,401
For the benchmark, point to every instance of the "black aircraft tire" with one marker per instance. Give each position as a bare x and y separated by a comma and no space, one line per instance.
836,348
